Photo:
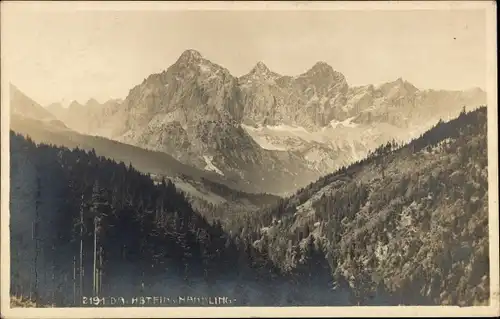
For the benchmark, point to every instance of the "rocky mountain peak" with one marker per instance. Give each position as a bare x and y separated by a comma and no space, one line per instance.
92,102
189,56
324,75
260,72
74,105
398,87
192,63
403,83
260,67
319,67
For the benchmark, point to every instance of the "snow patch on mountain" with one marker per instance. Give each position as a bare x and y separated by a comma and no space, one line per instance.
210,166
296,131
204,68
345,123
287,128
264,141
280,136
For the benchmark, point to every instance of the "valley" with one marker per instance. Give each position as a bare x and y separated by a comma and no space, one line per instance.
269,188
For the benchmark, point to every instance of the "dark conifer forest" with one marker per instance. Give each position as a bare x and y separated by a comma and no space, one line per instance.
406,225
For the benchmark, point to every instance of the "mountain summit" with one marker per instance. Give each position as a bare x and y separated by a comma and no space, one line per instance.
260,68
260,72
189,56
398,88
199,113
319,67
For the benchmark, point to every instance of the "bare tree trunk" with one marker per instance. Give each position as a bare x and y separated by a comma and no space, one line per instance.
100,270
74,280
35,235
95,257
32,268
98,275
80,271
35,287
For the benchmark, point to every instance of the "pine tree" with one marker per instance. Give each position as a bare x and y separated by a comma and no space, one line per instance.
81,269
99,210
95,258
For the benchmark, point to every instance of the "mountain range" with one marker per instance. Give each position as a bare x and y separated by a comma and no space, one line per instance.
386,190
202,187
407,225
274,131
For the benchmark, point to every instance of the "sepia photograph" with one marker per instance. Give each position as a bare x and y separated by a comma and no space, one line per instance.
250,159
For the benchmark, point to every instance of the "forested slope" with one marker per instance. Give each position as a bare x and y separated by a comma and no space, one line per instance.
202,188
83,225
406,225
56,195
145,161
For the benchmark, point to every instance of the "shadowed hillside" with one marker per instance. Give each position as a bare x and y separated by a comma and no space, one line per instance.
407,225
409,222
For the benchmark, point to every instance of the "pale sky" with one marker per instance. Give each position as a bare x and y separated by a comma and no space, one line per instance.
78,55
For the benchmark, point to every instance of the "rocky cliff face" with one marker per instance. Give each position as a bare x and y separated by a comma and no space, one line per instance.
193,111
264,122
401,104
306,100
169,111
